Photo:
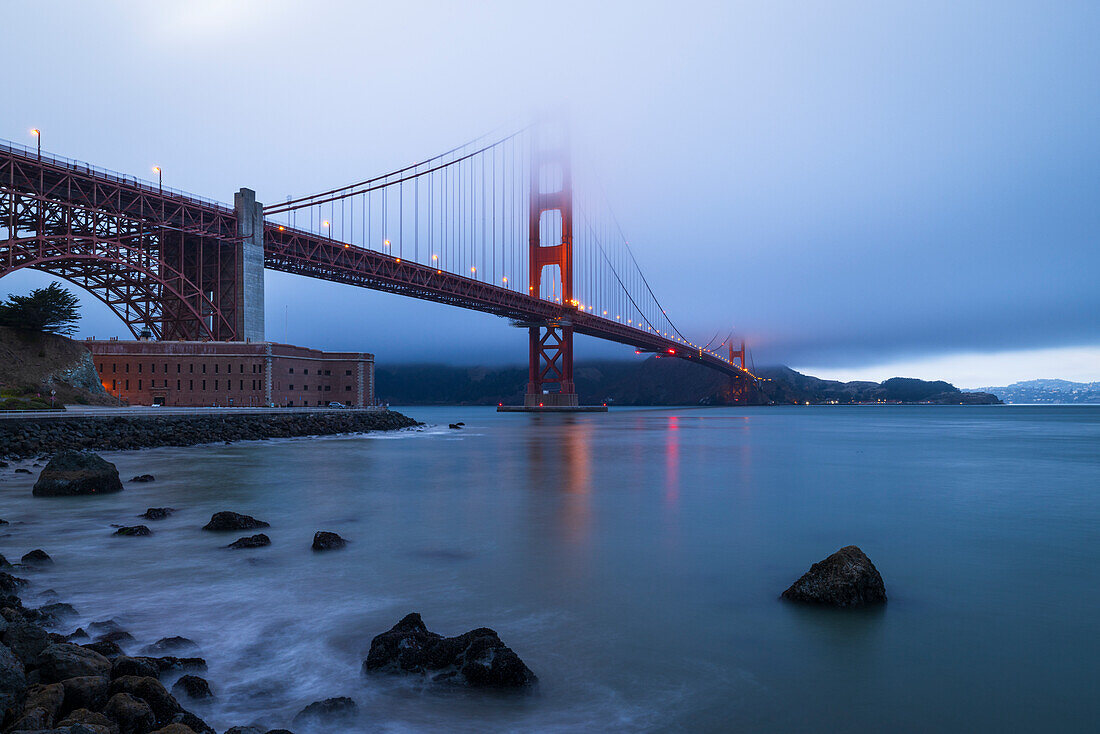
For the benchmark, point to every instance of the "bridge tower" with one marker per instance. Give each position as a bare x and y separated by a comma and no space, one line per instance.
737,356
550,376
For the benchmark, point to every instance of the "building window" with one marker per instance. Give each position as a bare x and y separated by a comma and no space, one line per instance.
292,387
178,365
347,388
242,384
191,368
347,373
177,384
127,365
139,368
305,371
328,388
242,368
204,368
191,385
113,366
127,384
204,385
215,384
292,370
215,369
114,384
139,381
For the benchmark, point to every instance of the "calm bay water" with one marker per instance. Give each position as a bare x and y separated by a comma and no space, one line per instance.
634,560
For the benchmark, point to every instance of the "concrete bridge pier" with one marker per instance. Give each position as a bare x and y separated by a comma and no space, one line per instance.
249,306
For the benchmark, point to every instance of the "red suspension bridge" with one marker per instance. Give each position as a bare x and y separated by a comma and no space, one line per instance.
496,225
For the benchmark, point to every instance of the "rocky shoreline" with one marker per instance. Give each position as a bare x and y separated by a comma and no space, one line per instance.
34,437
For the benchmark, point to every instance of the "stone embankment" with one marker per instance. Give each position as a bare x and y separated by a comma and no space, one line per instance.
34,437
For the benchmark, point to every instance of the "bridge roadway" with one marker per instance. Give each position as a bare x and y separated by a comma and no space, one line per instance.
88,194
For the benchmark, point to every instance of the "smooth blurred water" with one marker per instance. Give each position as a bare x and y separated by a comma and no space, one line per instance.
633,559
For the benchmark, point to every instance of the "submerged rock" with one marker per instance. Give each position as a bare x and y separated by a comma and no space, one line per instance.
140,478
476,658
258,540
324,540
157,513
233,521
847,578
192,686
134,531
21,470
36,556
171,644
327,711
77,473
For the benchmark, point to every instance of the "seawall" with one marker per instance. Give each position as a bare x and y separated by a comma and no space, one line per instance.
21,439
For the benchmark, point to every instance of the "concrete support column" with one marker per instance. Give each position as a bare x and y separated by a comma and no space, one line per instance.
267,374
250,268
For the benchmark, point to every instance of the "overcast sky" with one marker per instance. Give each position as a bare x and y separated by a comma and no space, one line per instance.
861,189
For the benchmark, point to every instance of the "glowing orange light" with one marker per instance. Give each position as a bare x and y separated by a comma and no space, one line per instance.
398,259
36,132
385,243
324,223
505,280
156,169
435,257
282,228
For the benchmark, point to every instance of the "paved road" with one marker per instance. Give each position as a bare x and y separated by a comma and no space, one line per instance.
88,411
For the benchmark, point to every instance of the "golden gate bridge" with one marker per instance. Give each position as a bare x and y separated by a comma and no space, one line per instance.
506,225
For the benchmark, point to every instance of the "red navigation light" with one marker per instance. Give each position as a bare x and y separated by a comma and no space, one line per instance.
540,405
672,351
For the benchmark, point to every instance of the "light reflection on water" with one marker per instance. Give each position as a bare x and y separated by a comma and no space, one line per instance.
633,559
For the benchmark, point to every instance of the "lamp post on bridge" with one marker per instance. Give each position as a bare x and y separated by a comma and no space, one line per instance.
160,178
38,134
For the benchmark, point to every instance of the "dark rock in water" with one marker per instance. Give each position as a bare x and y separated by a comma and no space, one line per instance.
13,679
233,521
118,636
278,731
171,644
847,578
38,556
477,658
328,711
21,470
157,513
169,662
134,531
324,540
253,541
78,634
4,562
104,625
143,478
10,584
52,615
85,692
106,648
454,426
59,661
192,686
246,730
132,714
76,473
140,666
3,521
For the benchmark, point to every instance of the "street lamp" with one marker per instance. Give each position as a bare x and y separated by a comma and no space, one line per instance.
160,178
38,134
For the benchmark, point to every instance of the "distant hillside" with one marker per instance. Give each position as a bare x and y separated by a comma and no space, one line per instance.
1047,391
654,381
31,365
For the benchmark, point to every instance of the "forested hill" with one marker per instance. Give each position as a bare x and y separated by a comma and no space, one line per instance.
652,381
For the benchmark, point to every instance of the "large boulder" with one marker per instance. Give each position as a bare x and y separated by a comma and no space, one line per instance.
133,715
330,711
192,686
847,578
91,720
142,667
136,531
36,557
233,521
152,691
156,513
476,658
85,692
170,645
77,472
25,640
13,680
61,660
